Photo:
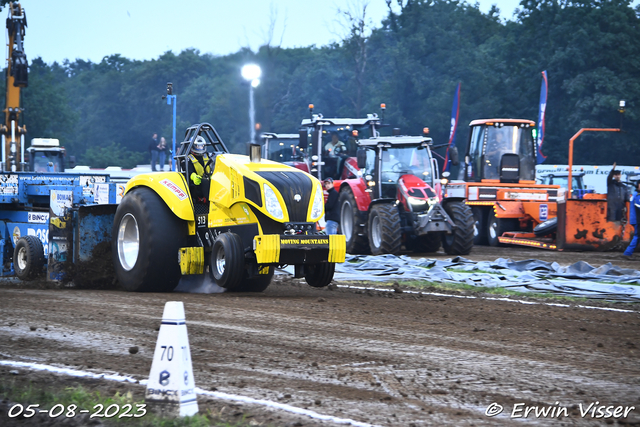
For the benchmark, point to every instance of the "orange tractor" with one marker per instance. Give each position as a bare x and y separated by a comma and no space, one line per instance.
497,180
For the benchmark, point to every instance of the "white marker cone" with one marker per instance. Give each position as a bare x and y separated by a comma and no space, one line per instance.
171,385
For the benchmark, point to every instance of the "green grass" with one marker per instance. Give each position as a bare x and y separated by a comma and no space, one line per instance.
84,399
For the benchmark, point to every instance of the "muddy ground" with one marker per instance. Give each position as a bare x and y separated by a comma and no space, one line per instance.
384,358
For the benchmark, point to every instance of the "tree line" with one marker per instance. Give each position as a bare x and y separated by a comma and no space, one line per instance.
105,113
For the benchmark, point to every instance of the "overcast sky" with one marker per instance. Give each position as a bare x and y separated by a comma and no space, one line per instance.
145,29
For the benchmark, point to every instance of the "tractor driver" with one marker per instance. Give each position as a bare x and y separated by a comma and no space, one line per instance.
334,146
200,168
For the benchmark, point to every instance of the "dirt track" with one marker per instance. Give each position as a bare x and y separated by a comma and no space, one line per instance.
393,359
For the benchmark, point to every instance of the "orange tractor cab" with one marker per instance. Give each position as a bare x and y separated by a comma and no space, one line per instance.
497,180
582,224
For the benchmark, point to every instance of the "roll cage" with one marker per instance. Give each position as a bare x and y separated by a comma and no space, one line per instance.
214,146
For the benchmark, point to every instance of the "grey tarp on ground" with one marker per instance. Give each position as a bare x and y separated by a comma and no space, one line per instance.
579,279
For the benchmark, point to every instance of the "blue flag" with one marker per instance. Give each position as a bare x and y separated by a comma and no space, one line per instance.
541,115
455,110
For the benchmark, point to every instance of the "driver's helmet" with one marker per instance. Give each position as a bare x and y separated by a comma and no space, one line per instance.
198,146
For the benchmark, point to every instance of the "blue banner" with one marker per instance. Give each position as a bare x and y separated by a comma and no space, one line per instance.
541,115
455,110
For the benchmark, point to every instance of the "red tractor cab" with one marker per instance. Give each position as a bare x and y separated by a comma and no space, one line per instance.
331,143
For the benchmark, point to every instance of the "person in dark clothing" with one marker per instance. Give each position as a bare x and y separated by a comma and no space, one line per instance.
154,151
331,208
617,195
634,217
200,170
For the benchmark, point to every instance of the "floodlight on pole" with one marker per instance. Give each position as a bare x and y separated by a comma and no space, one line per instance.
251,73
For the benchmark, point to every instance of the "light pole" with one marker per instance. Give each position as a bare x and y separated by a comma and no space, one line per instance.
252,73
171,97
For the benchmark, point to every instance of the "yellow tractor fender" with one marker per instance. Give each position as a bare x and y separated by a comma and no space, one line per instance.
173,189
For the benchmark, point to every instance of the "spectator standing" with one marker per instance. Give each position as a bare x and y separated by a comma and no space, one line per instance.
634,216
162,152
617,195
331,208
153,151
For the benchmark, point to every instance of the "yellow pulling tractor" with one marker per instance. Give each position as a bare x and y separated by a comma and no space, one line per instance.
258,215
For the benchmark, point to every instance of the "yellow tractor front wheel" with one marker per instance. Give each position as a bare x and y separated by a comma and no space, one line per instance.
227,266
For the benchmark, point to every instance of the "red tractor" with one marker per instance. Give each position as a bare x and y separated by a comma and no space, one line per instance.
389,187
394,201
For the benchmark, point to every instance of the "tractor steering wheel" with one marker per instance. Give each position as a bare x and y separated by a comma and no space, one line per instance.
209,162
400,167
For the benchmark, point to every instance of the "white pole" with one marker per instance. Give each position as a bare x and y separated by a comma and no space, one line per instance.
13,145
22,152
4,153
252,114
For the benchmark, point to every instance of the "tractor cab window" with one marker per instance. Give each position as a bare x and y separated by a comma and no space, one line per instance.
475,154
562,181
508,139
371,162
406,160
338,140
283,150
398,161
338,143
40,161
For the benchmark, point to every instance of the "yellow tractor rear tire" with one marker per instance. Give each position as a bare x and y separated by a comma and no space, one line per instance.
227,266
146,238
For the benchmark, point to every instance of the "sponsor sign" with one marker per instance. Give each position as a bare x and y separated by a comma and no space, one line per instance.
120,192
87,182
543,212
179,193
518,195
298,241
9,184
60,200
38,217
102,194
